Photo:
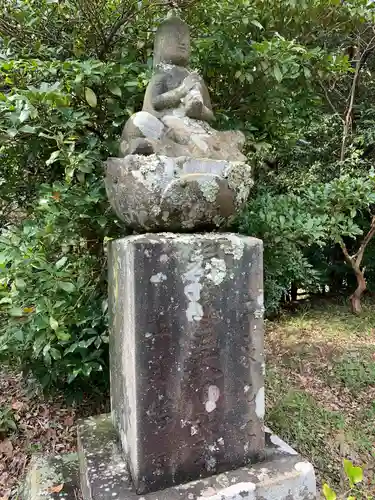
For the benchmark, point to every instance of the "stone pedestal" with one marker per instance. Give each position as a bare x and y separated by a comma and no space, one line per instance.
283,475
187,390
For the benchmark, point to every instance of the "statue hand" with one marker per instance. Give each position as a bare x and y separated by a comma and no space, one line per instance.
192,80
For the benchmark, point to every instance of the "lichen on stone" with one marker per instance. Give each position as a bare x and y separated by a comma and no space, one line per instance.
236,246
217,270
239,180
192,288
209,188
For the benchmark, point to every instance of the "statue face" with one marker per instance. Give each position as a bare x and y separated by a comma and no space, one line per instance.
172,43
177,51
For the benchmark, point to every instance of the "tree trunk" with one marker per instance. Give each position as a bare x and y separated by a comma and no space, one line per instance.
355,299
293,292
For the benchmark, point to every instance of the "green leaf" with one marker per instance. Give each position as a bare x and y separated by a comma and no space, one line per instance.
91,97
257,24
55,353
86,168
74,375
67,286
71,348
12,132
27,129
277,73
60,263
11,424
63,336
249,77
20,283
53,323
115,90
354,474
16,312
24,115
18,335
133,83
328,493
53,157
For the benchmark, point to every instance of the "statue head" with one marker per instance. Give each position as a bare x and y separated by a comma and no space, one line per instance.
172,42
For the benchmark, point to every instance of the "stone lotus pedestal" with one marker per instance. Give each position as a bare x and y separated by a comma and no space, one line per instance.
157,193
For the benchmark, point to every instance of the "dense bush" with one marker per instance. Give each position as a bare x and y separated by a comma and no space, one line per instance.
61,115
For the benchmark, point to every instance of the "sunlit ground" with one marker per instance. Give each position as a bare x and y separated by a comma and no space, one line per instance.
321,386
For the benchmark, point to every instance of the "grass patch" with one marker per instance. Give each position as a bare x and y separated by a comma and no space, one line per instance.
321,386
308,427
364,430
355,370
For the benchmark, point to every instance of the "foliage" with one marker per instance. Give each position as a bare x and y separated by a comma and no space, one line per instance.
60,117
286,72
354,476
55,274
312,215
7,421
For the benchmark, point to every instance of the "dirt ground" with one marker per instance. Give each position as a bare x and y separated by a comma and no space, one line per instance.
30,423
321,389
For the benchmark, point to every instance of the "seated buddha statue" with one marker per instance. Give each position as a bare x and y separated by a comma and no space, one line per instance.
176,112
175,171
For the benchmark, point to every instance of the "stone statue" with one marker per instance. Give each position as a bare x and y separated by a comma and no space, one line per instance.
176,172
173,86
176,98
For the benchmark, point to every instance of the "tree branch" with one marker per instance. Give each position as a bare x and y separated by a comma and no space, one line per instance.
125,17
346,253
366,240
335,112
348,115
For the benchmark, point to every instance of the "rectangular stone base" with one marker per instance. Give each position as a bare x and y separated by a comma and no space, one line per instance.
282,475
186,354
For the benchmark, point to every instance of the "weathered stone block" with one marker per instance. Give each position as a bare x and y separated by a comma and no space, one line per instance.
161,193
186,349
282,475
52,478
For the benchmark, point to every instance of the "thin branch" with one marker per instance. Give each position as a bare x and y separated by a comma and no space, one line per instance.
349,112
335,112
125,17
347,257
366,240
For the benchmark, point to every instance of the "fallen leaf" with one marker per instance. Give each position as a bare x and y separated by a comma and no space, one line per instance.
55,489
69,421
17,405
51,434
6,447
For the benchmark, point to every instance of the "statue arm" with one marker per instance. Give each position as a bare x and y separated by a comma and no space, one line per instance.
207,114
162,100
